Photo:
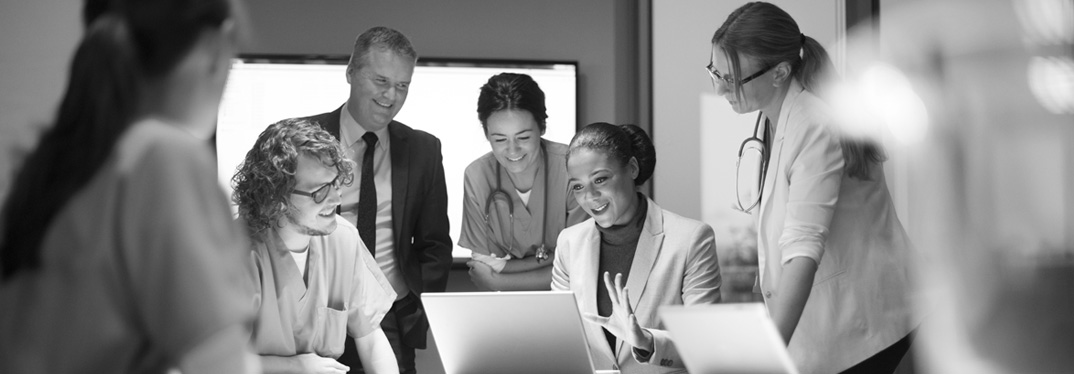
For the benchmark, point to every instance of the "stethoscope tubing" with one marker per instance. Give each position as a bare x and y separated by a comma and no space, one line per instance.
511,204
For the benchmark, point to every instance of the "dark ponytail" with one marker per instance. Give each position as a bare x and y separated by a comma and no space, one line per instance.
125,44
98,105
643,150
814,66
769,34
620,143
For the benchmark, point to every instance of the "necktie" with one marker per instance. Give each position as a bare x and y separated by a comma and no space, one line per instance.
367,196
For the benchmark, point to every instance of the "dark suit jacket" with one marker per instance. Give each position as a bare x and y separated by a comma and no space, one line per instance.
419,215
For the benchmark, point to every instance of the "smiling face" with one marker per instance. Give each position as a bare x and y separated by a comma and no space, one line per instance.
603,187
515,138
757,93
379,88
307,217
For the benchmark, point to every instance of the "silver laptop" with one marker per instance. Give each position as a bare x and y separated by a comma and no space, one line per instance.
727,338
508,332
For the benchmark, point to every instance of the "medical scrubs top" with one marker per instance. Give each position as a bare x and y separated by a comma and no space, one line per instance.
553,206
139,267
344,293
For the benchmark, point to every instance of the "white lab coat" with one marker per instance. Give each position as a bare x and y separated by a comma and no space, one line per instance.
860,300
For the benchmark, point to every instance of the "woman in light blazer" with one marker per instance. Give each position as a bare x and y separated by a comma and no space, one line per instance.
832,254
662,258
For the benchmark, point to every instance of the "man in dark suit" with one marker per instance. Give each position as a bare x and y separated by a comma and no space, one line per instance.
398,200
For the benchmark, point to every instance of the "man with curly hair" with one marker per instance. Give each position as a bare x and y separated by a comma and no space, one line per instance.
314,280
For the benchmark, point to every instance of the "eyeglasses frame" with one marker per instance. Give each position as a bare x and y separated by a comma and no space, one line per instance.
337,182
715,75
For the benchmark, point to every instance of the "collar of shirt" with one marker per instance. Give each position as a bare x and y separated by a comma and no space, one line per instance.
350,131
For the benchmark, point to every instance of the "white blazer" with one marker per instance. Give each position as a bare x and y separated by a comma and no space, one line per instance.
675,264
860,300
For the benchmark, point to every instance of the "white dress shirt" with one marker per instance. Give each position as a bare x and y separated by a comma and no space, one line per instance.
350,133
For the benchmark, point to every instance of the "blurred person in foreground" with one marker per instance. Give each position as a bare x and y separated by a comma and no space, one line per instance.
833,257
984,114
120,255
315,282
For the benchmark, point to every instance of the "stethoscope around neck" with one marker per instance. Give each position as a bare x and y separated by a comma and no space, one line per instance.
759,144
508,242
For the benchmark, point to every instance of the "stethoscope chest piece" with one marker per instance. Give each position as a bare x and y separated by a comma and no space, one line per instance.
542,253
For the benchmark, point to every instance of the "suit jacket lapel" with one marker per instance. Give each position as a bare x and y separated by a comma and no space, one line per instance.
649,243
400,178
331,122
771,176
777,149
590,278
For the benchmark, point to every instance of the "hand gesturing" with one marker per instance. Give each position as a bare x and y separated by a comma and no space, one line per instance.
622,322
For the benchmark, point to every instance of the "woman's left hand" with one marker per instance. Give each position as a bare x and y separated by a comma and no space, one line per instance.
482,275
622,322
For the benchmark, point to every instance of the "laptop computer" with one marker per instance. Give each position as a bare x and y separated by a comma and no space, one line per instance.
727,338
508,332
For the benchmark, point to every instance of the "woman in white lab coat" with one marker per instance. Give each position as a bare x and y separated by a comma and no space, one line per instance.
515,197
833,256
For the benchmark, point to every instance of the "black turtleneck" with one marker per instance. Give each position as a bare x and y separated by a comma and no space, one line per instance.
617,247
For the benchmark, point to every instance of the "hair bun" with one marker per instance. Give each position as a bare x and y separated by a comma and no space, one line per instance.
643,151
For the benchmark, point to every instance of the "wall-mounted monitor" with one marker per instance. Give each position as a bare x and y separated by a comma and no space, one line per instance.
442,100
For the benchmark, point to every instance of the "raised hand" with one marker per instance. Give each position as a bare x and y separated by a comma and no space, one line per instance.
622,322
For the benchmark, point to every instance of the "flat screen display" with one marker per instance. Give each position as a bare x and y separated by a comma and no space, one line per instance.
442,100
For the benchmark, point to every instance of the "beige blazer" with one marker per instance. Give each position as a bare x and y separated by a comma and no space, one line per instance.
675,264
859,303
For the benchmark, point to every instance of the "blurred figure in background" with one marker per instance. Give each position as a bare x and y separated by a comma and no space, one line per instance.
833,256
315,282
979,96
119,252
632,256
515,197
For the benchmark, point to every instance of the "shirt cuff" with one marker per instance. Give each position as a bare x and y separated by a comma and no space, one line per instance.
801,250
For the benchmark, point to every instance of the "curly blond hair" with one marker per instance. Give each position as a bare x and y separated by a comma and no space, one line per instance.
264,181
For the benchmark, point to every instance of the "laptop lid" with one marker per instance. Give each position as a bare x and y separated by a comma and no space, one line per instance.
508,332
727,338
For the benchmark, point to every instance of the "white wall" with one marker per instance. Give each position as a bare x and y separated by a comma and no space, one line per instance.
696,133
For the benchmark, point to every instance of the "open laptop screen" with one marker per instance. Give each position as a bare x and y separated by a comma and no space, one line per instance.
508,332
727,338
